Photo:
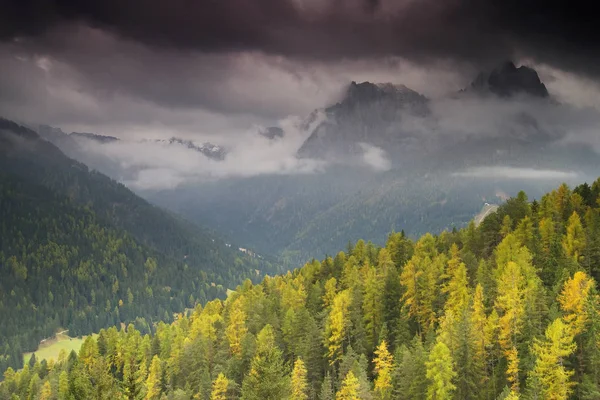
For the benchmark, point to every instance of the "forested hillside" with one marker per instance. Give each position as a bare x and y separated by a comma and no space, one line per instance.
81,252
505,310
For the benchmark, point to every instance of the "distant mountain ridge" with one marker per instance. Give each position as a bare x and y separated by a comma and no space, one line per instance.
210,150
391,163
93,136
376,113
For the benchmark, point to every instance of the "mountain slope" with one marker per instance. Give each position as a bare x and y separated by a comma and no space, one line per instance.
80,251
506,307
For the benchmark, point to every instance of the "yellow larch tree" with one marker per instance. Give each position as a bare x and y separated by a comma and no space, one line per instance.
420,278
550,370
153,382
299,383
338,325
383,369
236,328
219,388
479,328
510,301
350,388
573,299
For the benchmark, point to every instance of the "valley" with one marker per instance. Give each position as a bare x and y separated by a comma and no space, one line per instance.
383,158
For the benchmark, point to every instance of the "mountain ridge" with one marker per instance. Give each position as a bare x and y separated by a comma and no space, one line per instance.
80,225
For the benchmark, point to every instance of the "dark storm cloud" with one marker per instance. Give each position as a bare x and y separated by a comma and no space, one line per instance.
557,32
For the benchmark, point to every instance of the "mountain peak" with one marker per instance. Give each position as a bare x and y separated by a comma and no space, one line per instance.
369,92
507,80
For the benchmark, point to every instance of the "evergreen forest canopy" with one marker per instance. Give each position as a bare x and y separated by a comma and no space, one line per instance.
79,251
505,310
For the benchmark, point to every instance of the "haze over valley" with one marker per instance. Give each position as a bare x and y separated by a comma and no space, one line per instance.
382,158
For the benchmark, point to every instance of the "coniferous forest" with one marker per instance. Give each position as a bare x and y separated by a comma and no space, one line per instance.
81,252
508,309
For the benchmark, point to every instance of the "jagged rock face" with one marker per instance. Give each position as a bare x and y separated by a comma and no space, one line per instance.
368,113
508,80
208,149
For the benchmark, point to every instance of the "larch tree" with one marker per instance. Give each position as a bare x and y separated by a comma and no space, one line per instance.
573,299
46,391
440,373
330,292
457,288
574,240
372,305
63,385
338,325
420,277
510,302
236,327
219,388
384,363
550,371
481,335
350,388
153,383
299,382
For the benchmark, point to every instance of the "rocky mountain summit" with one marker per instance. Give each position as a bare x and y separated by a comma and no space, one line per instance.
507,80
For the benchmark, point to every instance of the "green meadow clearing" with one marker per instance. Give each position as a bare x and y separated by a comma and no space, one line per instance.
50,349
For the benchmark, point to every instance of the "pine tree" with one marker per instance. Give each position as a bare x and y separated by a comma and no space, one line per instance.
410,372
267,379
440,373
327,392
299,383
359,368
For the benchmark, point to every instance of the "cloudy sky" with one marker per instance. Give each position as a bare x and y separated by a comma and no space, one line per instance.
203,69
152,68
